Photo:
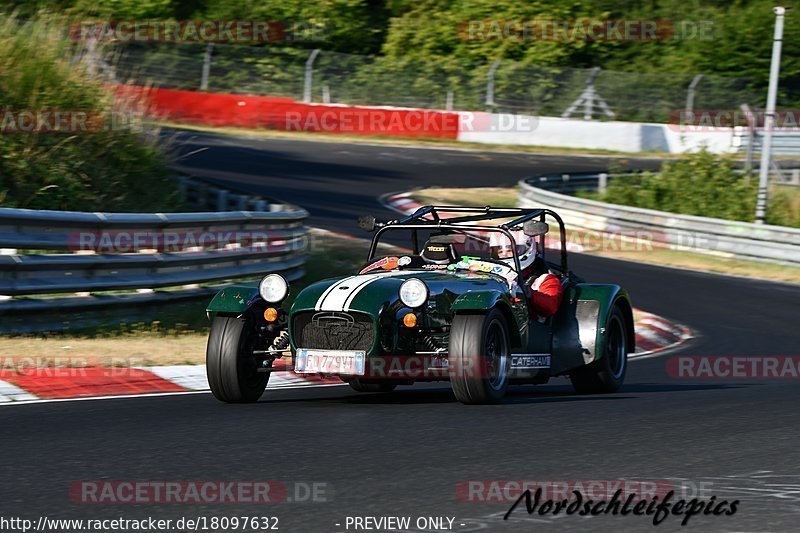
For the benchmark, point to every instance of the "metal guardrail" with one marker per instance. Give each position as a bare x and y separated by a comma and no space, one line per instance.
573,183
783,143
775,244
43,252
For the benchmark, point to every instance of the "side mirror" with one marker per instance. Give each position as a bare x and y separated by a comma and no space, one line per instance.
535,228
366,222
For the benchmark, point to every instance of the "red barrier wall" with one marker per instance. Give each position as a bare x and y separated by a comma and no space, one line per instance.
286,114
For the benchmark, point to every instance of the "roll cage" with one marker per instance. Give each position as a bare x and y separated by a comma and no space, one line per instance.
430,217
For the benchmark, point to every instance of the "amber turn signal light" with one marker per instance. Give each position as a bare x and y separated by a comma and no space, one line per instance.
410,320
271,314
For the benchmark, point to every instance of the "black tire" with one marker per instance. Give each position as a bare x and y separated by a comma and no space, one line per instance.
608,373
360,386
230,364
479,357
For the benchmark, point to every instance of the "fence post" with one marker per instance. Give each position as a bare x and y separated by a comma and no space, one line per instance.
602,182
309,75
588,99
690,93
490,85
206,67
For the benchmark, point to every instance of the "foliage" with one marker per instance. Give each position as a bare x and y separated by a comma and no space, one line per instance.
702,184
712,37
113,169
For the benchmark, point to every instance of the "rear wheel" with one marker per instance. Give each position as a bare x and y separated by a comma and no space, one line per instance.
231,367
360,386
608,373
479,357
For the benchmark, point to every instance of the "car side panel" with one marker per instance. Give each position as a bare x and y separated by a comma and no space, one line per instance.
579,326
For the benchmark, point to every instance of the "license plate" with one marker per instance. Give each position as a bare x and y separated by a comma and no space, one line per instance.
329,362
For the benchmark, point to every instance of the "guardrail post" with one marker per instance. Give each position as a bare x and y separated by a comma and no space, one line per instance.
202,195
222,200
795,180
309,75
243,199
183,188
602,182
260,205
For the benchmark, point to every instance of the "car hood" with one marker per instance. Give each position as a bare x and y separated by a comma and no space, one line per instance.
372,292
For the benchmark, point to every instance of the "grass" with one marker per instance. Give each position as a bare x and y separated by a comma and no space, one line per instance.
178,333
114,162
627,249
494,196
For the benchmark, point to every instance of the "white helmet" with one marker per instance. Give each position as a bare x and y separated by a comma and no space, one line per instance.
501,248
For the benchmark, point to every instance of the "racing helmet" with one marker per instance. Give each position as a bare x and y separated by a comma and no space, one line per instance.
501,249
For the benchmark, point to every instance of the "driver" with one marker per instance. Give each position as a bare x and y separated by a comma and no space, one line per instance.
546,289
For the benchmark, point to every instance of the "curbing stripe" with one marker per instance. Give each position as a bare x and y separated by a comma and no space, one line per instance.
12,393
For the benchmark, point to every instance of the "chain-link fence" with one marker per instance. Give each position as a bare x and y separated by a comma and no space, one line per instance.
502,86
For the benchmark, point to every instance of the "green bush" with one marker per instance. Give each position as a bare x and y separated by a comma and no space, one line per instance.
702,184
114,169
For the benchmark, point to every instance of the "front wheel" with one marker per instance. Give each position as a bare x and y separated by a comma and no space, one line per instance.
479,357
231,367
608,373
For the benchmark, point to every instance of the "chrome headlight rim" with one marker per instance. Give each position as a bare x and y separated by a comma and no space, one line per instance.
409,300
273,288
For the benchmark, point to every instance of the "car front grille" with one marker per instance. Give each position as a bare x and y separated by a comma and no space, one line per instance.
326,330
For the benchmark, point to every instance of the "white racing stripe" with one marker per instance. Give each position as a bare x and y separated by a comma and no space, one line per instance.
330,289
340,298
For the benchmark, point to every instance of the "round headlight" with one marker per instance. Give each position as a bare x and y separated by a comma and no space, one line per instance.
273,288
413,293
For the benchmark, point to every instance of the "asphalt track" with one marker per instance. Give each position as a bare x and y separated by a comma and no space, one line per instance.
405,453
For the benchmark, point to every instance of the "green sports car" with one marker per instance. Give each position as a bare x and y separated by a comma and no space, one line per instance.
465,307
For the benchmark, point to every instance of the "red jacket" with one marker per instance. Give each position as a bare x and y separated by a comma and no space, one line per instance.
546,293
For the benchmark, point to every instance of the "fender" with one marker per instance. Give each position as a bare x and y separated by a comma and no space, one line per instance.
582,340
235,299
516,315
476,301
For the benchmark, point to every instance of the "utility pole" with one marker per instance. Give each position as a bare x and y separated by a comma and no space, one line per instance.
769,118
